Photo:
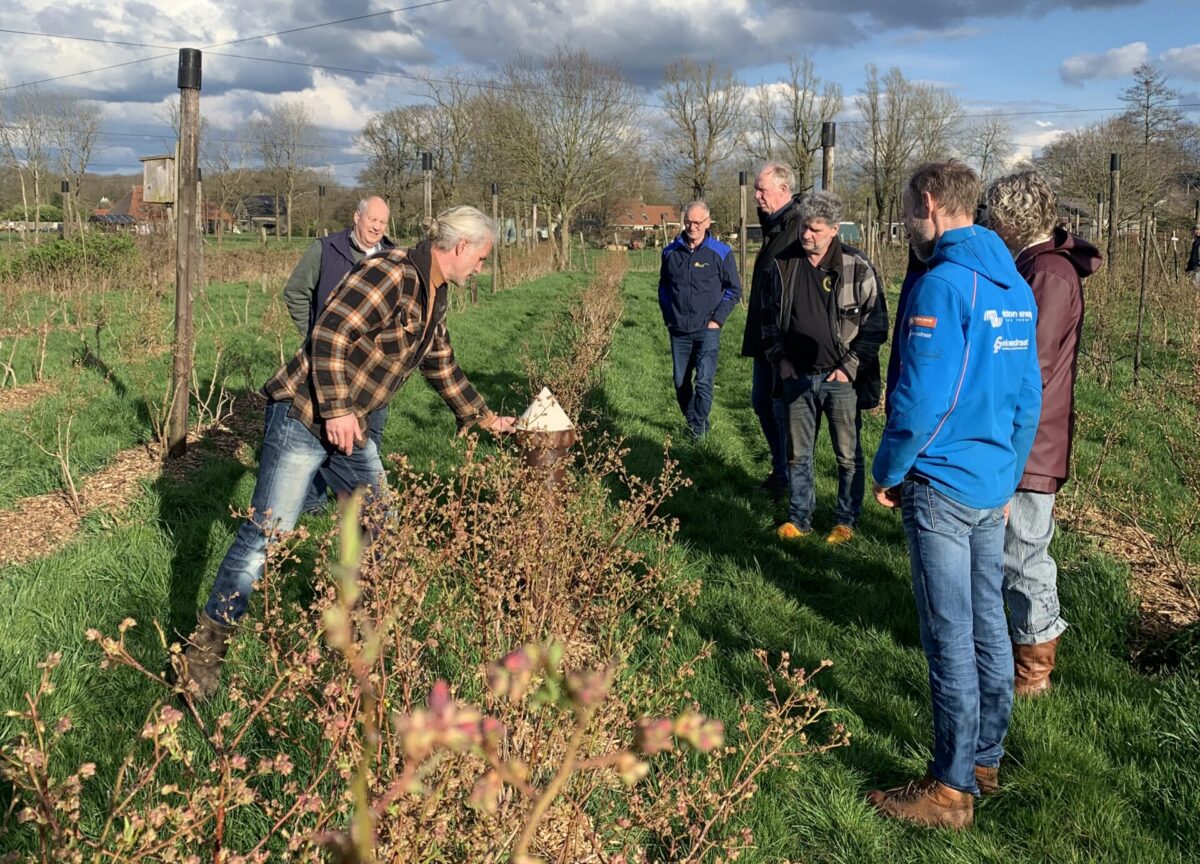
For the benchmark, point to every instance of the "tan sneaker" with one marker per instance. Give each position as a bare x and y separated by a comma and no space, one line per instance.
926,802
839,535
789,533
1034,663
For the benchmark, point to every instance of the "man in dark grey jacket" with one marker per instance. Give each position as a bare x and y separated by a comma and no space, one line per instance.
321,269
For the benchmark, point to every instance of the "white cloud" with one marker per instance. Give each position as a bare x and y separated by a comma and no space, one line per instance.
1112,63
1181,62
1043,124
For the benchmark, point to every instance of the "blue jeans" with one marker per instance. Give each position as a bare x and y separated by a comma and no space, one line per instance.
694,356
291,457
772,416
339,474
1030,574
957,553
807,399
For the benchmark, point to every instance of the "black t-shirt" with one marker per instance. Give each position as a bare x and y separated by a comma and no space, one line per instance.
809,341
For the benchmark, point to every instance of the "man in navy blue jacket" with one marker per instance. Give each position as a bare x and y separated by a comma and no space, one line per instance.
698,287
961,422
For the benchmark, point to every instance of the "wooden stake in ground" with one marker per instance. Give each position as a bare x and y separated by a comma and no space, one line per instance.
1147,227
742,232
427,170
186,245
828,141
496,250
1114,206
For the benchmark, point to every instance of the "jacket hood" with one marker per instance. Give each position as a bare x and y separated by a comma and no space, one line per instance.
980,250
1083,255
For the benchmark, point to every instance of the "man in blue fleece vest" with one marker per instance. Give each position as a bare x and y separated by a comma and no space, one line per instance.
961,422
698,286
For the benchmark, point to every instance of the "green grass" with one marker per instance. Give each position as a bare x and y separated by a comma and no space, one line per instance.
1106,768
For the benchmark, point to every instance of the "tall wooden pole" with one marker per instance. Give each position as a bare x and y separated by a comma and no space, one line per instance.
535,221
1114,206
499,239
828,141
742,234
1098,218
427,170
66,209
186,245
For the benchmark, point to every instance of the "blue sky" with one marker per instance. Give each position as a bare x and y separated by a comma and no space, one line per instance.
1011,56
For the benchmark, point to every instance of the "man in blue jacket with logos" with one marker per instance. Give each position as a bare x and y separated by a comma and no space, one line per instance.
961,422
698,286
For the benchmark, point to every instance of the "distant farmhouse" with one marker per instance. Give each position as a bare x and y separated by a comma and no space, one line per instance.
133,212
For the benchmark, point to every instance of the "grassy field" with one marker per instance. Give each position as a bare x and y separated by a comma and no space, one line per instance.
1107,768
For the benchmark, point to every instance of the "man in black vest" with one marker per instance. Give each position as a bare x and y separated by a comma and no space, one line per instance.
321,269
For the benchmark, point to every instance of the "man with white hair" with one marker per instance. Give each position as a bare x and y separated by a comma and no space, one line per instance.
384,321
322,267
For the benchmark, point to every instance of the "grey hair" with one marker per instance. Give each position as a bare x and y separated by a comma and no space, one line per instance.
697,203
363,203
459,223
822,205
783,174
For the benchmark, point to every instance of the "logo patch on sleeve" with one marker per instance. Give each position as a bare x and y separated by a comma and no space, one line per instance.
928,321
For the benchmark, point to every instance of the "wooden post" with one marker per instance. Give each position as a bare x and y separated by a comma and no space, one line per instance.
742,235
66,208
828,141
582,254
1098,219
1147,227
869,232
427,170
1114,206
320,198
499,239
535,222
186,245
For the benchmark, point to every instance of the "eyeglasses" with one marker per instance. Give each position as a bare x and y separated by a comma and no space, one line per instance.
693,223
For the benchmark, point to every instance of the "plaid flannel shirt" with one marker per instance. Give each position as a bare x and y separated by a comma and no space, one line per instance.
383,321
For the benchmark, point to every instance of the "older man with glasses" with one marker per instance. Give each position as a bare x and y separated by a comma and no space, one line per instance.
698,286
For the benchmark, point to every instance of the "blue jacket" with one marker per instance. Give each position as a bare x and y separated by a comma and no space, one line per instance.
969,391
697,286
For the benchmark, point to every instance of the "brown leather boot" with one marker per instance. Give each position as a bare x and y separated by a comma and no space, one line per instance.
987,779
1034,663
200,666
927,802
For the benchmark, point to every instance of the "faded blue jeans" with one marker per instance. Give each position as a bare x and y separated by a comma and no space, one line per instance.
291,457
771,414
957,555
694,362
1030,574
339,474
808,399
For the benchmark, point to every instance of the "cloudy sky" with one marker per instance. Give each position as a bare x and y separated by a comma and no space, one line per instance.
1051,65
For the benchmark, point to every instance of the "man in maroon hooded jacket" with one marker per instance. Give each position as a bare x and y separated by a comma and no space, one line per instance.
1021,208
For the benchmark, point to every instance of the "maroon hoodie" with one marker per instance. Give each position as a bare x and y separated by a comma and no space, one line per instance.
1054,270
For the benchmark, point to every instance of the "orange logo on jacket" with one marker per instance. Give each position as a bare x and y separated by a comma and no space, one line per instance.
928,321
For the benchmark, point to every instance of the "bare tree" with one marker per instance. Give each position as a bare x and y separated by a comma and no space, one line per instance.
561,127
703,108
787,117
286,139
934,121
74,127
451,134
1151,112
883,141
26,140
394,139
224,160
988,143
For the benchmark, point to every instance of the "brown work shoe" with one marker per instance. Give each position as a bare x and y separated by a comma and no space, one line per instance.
200,667
1033,664
926,802
839,535
987,779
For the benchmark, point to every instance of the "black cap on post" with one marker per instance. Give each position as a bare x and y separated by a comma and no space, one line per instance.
533,200
426,161
828,134
495,189
321,191
189,68
741,178
66,186
1114,162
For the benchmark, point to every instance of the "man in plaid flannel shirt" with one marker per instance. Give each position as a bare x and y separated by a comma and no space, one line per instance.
386,320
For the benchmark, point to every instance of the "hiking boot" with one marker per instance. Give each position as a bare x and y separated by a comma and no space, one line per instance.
1034,663
200,666
839,535
987,779
926,802
789,533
